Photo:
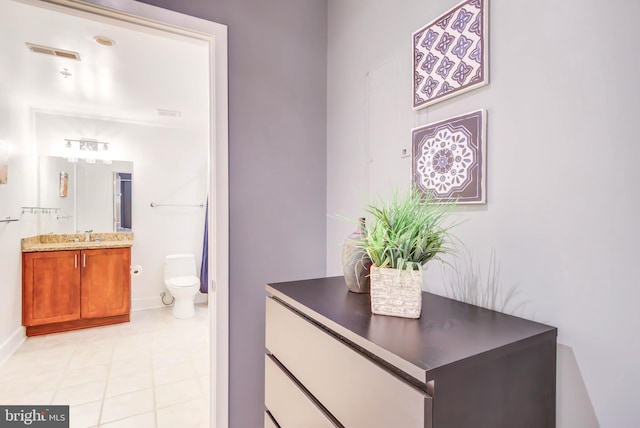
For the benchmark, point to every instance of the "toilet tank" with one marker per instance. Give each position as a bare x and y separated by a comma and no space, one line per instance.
179,265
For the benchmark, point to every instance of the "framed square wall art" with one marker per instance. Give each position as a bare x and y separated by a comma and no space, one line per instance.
450,54
448,158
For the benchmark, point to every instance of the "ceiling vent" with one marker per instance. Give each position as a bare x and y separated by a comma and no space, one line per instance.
53,51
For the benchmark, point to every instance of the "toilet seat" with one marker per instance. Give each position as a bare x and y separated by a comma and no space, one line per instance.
183,281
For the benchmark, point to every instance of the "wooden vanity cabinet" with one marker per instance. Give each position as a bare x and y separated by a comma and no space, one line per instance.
73,289
105,285
50,287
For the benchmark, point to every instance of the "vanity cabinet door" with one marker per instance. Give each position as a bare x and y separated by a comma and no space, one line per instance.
50,287
105,282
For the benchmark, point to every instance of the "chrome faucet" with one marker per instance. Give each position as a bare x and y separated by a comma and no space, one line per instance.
87,235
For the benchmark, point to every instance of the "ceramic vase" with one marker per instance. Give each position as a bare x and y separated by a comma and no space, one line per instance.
356,262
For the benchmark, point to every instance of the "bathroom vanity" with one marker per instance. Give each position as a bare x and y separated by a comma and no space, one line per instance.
68,283
330,363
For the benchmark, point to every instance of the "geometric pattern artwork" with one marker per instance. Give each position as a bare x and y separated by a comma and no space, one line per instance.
448,158
450,54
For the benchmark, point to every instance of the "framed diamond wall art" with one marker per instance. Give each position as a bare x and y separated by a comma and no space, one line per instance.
450,54
448,158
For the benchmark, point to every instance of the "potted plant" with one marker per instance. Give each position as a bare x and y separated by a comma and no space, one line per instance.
401,236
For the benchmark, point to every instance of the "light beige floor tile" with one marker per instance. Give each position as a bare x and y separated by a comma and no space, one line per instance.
130,366
70,338
81,375
191,414
171,356
205,384
177,392
33,396
91,355
126,405
202,365
145,420
24,380
135,348
164,344
41,360
33,343
156,357
122,384
200,347
84,415
173,373
80,394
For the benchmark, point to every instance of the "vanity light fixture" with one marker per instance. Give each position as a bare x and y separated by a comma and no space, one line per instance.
88,150
105,148
69,151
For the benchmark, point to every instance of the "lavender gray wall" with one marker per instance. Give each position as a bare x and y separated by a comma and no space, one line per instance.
560,223
277,166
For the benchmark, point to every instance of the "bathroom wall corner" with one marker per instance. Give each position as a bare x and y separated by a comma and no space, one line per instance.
11,344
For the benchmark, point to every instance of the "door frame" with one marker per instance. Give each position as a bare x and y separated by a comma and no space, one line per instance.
215,35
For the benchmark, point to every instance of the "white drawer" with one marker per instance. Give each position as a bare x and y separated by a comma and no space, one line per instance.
355,390
288,404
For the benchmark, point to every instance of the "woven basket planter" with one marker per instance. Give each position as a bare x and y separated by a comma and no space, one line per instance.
396,292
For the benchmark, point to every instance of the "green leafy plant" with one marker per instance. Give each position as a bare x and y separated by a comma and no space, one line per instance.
405,232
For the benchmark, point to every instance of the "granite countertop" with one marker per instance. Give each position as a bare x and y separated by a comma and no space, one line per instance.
75,241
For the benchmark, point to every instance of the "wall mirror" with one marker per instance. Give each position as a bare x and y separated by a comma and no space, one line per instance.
99,196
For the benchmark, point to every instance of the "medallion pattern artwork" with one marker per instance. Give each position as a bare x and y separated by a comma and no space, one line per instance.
448,158
449,54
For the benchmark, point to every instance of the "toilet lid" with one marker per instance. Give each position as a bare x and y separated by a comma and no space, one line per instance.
184,281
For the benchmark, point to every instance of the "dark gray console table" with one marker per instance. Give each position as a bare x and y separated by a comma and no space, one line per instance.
330,362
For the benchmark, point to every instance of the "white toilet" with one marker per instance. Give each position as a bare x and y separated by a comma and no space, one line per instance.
181,280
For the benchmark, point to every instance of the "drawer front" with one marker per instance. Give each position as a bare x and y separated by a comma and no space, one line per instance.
288,404
355,390
268,422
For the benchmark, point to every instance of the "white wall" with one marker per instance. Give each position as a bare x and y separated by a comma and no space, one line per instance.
19,191
169,166
562,169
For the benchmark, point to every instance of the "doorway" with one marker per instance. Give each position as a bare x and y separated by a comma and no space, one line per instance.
145,17
122,202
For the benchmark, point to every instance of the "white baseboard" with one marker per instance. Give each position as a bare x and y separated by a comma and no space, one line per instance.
146,303
12,344
201,298
156,302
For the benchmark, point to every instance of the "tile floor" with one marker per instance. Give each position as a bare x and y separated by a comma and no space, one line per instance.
150,373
